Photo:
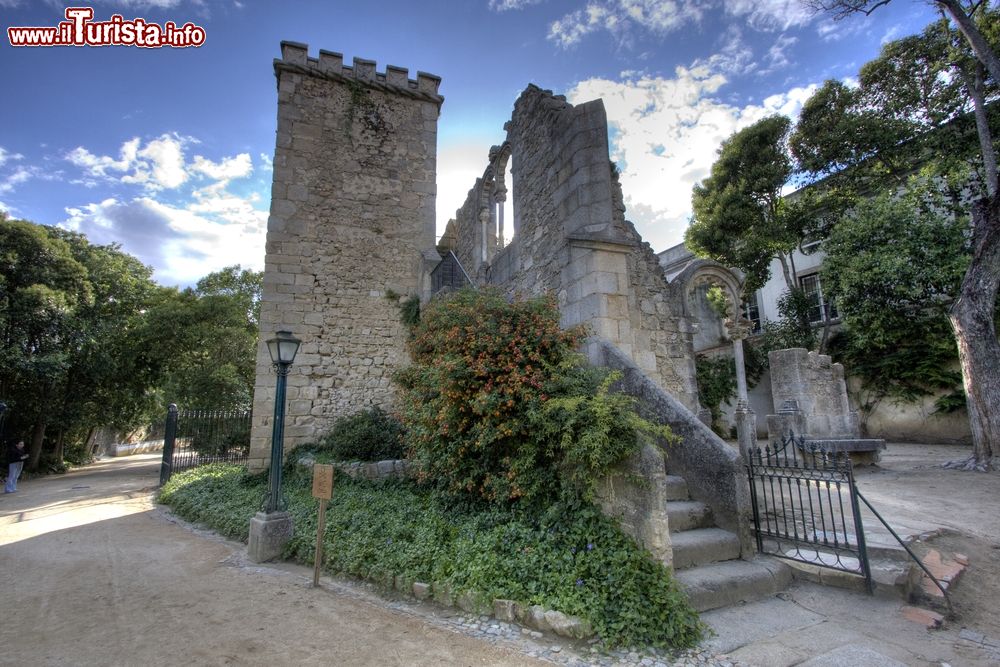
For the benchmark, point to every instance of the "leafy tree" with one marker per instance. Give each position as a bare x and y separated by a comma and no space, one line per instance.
740,218
893,266
69,314
924,84
211,332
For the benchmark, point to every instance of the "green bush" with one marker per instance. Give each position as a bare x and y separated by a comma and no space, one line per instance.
368,435
225,439
498,404
566,556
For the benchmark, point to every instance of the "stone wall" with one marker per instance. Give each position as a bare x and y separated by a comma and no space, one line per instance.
817,386
571,238
351,224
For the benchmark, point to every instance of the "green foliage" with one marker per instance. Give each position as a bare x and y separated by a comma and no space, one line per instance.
793,329
210,333
566,556
228,438
367,435
222,496
894,259
740,218
893,267
716,378
70,317
871,136
592,427
718,301
475,401
409,310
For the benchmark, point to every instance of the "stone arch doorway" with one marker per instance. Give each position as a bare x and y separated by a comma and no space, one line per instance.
497,199
705,272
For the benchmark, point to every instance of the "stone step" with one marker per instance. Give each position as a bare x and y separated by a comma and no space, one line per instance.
733,581
677,488
702,546
688,514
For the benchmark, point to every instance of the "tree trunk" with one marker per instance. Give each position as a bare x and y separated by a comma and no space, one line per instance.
90,441
37,438
58,453
784,270
972,319
976,40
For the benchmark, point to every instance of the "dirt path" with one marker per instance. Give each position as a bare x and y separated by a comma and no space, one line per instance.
92,573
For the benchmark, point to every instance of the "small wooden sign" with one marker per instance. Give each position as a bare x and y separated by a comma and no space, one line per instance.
322,489
323,481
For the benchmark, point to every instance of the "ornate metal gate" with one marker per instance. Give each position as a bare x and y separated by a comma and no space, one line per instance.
805,506
196,437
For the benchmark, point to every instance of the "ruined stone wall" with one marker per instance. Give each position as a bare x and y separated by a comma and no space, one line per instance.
817,386
572,238
352,221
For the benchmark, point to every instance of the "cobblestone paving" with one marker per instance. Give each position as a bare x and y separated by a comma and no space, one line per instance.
538,645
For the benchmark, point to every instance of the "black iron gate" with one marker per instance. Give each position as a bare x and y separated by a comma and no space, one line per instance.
805,506
196,437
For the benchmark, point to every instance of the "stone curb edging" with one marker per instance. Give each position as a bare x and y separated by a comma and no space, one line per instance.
509,611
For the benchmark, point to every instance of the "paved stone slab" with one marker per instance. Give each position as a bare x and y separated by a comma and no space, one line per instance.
738,626
853,656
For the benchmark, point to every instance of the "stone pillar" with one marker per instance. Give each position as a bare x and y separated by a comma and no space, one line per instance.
737,332
746,427
746,420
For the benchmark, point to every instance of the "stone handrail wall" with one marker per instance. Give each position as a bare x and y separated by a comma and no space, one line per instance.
712,469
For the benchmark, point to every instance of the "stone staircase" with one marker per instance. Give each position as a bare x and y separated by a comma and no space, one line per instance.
707,558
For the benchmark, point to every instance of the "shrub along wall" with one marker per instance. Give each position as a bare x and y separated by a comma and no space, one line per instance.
568,557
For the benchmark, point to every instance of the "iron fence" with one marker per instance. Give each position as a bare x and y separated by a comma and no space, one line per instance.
805,506
195,437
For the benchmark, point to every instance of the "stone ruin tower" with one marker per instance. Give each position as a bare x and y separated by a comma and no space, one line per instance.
351,226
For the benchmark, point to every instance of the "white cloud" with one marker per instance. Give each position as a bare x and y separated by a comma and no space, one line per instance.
100,165
835,31
891,34
667,132
158,165
266,163
239,166
619,17
20,175
770,15
777,56
164,166
181,243
507,5
6,156
198,230
734,56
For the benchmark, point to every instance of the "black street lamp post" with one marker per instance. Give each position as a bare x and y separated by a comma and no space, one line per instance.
271,529
282,349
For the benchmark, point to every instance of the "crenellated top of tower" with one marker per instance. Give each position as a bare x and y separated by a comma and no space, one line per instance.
330,65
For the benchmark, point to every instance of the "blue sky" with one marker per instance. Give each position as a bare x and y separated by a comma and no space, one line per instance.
167,151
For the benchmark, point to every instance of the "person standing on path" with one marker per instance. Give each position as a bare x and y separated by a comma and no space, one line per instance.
16,456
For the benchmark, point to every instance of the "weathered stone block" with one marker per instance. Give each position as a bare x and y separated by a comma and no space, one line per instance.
421,591
269,533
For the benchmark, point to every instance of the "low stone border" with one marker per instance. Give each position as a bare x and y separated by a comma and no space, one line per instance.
398,468
509,611
145,447
379,470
